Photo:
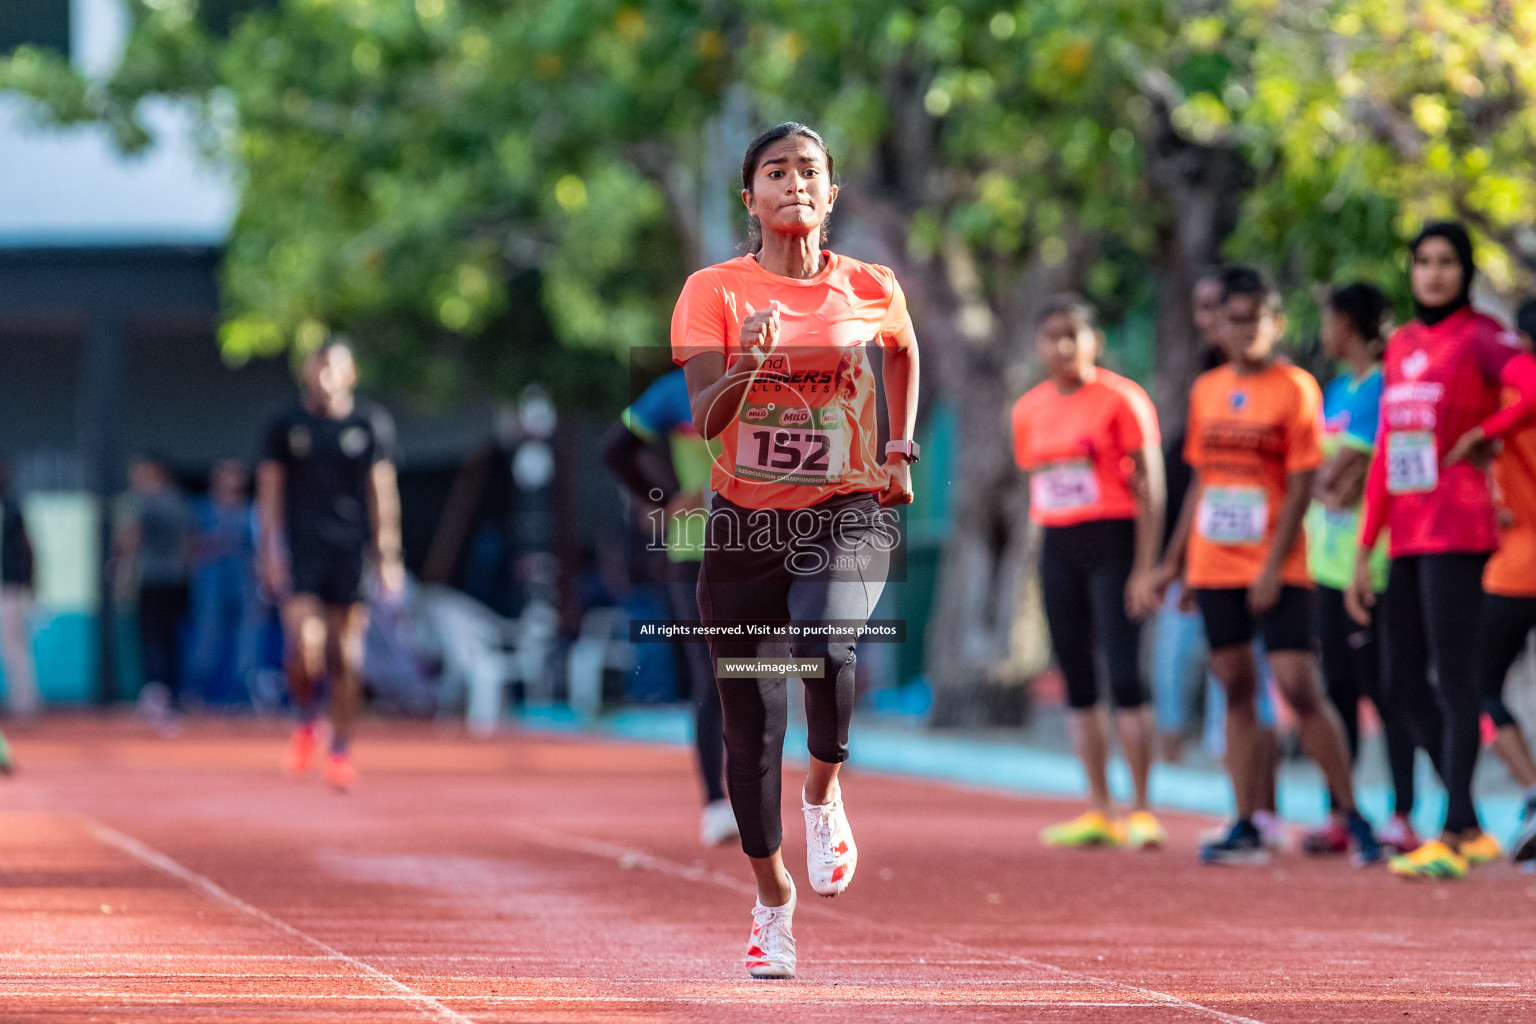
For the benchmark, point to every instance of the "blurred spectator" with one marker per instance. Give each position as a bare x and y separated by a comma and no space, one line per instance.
226,613
16,604
152,546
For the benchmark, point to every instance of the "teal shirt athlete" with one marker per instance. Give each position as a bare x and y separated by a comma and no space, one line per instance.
662,410
1351,409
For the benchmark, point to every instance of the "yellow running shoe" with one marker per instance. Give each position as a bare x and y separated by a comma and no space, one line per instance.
1483,850
1089,829
1431,860
1142,831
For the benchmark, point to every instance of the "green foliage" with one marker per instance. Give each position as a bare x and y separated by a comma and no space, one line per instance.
1375,116
403,161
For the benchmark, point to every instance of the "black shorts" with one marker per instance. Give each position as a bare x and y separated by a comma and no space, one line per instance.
332,574
1228,622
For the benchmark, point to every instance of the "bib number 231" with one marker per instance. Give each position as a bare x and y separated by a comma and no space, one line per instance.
1413,463
791,445
1233,515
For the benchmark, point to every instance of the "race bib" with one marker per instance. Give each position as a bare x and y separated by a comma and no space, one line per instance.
1413,462
1233,515
1064,486
792,444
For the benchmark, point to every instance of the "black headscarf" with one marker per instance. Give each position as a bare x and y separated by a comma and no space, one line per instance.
1461,242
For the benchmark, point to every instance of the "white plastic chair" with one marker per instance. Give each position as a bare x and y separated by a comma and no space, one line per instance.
480,653
602,646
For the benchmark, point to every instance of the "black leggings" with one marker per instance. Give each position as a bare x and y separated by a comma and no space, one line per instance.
1351,656
161,609
1083,570
1433,604
796,567
1501,637
708,742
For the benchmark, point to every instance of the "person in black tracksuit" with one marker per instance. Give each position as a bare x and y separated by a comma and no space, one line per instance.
327,505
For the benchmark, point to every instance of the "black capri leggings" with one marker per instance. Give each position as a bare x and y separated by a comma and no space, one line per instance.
1083,571
1433,606
799,567
1351,657
1506,623
709,746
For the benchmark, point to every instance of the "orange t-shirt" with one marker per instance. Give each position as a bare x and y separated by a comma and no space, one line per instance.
807,429
1246,434
1078,446
1511,571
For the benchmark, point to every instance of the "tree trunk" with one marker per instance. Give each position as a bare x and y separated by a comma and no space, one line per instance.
1202,188
985,637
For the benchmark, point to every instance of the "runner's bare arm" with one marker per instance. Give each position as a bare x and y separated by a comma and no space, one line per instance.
715,394
1172,565
900,376
1361,595
271,483
1345,483
1150,486
384,514
1298,495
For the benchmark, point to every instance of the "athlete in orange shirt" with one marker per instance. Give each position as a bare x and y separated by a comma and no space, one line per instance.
1089,440
774,346
1509,601
1254,442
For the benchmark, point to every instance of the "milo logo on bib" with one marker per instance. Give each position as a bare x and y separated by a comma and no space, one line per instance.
791,444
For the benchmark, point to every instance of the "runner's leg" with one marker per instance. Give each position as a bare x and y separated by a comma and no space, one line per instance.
1229,628
709,745
845,591
345,627
1451,586
16,650
1120,640
1405,658
1178,667
1365,646
1335,632
1070,621
755,715
1506,623
303,651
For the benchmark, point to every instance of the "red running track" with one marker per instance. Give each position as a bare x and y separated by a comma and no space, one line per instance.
538,879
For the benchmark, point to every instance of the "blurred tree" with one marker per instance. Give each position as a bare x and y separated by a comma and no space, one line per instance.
1370,117
402,161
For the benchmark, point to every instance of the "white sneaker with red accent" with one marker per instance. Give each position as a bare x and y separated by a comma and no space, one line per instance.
771,953
830,853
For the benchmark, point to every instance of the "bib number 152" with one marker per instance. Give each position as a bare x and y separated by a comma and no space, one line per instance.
791,450
792,445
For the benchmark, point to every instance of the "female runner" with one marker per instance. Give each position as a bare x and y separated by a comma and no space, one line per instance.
1089,440
1428,483
774,348
1354,334
1509,603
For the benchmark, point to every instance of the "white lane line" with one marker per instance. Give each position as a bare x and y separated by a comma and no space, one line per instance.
52,955
792,994
212,890
632,858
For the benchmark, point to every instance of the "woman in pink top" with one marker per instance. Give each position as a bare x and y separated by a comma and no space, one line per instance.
1428,483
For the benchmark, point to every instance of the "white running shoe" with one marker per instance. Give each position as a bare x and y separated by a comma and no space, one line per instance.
1273,832
717,825
771,953
830,854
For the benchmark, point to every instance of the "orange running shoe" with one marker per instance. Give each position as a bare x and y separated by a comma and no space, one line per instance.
299,758
339,772
1481,849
